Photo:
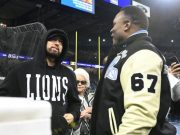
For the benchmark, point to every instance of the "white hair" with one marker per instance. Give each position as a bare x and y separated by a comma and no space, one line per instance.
80,71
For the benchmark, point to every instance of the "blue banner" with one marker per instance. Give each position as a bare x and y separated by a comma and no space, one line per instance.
83,5
120,3
18,57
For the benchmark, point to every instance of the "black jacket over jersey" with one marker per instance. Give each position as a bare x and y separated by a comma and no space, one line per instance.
34,79
133,95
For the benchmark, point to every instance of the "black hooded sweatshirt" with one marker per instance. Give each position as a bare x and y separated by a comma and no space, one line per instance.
36,80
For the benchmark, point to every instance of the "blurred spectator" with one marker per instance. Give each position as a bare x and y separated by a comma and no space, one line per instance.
174,114
174,72
175,69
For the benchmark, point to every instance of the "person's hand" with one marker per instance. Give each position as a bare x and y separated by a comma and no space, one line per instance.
174,69
69,117
88,109
86,114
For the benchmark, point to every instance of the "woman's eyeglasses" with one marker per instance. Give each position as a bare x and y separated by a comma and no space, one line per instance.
82,82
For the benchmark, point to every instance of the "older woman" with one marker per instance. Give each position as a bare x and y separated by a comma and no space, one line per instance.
83,83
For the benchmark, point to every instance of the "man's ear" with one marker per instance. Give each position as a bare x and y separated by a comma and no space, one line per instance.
127,25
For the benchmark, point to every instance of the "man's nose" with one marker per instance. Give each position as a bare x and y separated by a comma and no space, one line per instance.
57,42
111,30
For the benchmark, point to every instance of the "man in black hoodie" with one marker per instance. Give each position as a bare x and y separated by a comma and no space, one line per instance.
45,78
133,95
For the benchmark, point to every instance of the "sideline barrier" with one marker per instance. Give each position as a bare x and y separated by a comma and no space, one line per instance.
20,116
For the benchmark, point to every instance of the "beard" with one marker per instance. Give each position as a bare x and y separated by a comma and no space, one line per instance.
52,55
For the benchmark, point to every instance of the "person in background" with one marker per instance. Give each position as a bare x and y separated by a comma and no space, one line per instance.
174,114
175,69
133,95
83,83
45,78
174,72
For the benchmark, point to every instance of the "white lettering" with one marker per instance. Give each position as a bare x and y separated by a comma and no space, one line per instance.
46,87
37,87
56,88
29,94
56,91
64,82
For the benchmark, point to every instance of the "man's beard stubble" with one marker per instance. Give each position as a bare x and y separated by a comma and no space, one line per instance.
52,55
